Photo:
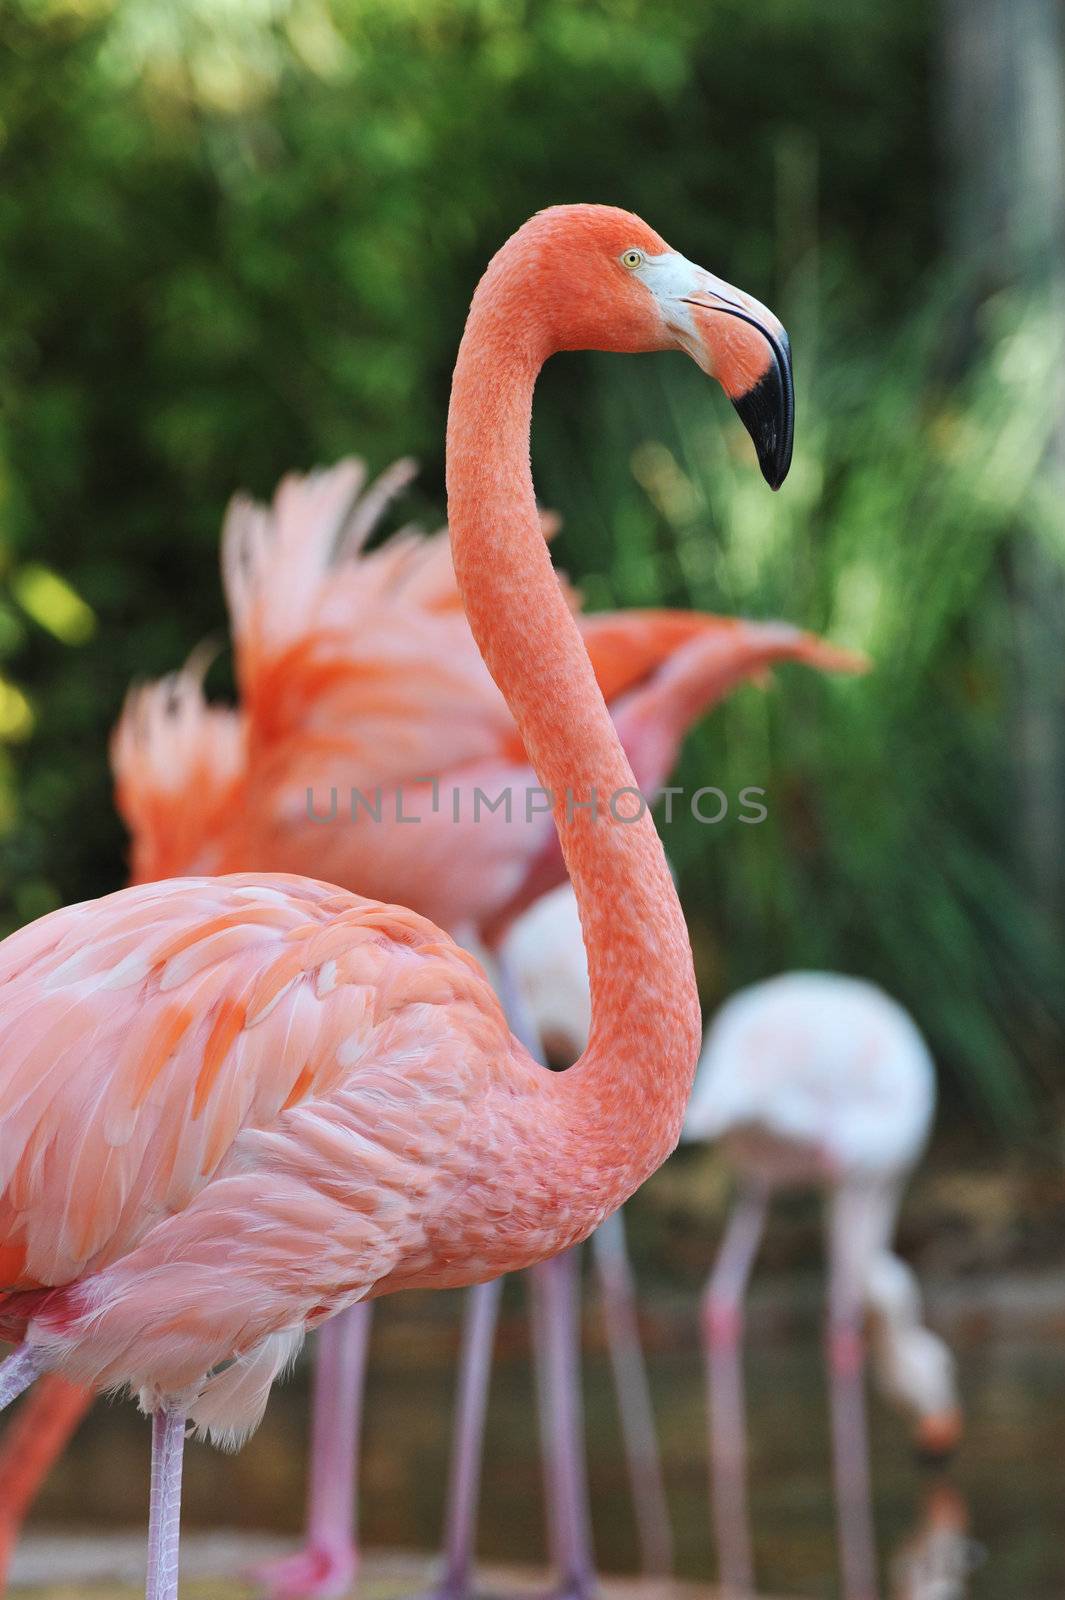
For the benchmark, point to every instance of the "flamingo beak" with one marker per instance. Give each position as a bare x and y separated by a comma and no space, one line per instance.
767,411
738,341
746,349
938,1436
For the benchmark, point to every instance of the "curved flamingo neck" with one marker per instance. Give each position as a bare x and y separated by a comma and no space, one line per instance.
628,1091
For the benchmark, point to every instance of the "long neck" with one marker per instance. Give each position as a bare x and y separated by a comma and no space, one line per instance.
628,1091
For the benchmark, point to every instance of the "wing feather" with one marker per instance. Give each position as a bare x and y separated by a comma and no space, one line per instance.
259,999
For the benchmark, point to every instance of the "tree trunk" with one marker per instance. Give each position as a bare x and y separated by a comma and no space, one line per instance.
1004,104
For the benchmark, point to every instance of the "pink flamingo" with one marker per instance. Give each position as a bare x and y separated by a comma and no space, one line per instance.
205,788
223,1221
371,745
814,1078
366,660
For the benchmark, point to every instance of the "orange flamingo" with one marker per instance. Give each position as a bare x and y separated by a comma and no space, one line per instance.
174,1216
371,745
366,661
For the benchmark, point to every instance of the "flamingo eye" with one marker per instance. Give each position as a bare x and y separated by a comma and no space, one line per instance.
632,259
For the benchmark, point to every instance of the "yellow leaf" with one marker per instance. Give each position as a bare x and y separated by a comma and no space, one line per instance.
52,603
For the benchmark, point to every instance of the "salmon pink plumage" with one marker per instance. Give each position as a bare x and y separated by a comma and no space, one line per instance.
212,1059
358,676
394,1128
358,673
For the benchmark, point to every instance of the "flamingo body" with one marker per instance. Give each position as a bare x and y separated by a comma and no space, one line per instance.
818,1078
244,1104
372,747
814,1076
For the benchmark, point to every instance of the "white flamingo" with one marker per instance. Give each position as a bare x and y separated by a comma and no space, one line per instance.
817,1079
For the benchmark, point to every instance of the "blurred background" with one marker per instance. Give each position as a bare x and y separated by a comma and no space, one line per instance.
239,236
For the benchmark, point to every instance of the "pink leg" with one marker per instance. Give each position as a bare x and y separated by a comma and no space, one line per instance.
164,1514
537,1314
555,1290
555,1340
327,1564
464,1476
475,1371
722,1335
846,1361
621,1320
556,1329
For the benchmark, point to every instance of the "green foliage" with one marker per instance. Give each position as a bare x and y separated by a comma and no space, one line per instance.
890,846
238,236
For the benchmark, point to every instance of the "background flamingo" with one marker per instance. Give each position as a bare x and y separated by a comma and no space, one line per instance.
544,952
815,1078
846,1047
360,667
358,674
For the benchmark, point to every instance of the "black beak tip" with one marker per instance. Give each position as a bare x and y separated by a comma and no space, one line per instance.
934,1460
767,411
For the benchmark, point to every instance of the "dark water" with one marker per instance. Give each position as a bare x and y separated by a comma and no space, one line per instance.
1011,1470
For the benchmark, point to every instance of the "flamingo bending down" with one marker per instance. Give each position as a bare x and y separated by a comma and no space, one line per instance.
363,665
814,1078
231,1108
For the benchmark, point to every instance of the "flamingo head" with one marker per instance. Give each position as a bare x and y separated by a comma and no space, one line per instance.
601,279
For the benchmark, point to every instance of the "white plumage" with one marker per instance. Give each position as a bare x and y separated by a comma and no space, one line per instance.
827,1067
544,953
820,1079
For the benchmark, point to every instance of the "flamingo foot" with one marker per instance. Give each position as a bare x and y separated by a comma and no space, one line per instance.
450,1588
574,1589
317,1572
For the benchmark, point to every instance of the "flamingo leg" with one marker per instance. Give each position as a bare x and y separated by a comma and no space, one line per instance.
326,1566
471,1404
556,1326
164,1515
618,1290
555,1290
475,1369
32,1442
846,1362
722,1324
556,1341
537,1314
